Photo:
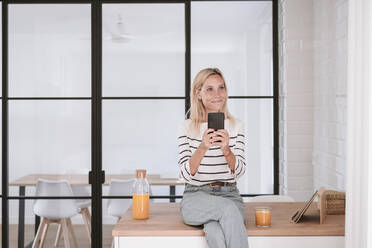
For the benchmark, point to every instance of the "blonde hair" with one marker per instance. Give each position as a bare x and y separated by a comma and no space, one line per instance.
197,110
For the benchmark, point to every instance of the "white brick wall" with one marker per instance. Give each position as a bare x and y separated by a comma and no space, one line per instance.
330,67
312,76
296,98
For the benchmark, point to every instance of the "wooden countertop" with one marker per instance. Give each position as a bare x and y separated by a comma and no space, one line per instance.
165,220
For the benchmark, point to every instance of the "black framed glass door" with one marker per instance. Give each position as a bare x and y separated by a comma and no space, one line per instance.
46,123
81,79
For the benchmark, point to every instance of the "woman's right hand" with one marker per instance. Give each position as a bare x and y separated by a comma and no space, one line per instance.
208,139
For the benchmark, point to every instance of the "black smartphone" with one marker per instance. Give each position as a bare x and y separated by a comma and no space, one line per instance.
216,121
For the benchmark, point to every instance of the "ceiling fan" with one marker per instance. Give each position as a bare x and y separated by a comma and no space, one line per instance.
118,31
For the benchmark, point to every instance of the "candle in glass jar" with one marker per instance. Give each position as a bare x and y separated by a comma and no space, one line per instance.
263,216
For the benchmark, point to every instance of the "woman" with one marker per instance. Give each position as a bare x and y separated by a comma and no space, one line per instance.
211,162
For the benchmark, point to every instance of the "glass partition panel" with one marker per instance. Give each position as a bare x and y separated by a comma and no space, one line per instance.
143,50
24,224
141,134
257,116
1,94
48,140
49,50
1,151
240,44
15,223
1,45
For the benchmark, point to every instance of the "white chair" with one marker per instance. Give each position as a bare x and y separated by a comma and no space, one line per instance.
83,209
118,187
117,207
83,204
54,211
271,198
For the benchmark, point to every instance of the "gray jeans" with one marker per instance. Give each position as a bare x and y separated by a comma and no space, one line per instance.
222,212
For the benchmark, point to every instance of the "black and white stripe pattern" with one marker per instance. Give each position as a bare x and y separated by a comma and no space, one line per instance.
213,166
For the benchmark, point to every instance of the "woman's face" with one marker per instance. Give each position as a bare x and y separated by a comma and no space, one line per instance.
213,94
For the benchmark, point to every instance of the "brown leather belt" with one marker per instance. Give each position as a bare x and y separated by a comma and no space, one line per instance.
219,184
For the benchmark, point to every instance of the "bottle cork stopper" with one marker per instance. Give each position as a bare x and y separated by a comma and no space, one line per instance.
140,173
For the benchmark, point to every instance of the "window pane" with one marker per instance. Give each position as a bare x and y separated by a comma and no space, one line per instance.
239,44
49,50
29,227
141,135
257,116
1,149
143,50
1,45
49,137
1,94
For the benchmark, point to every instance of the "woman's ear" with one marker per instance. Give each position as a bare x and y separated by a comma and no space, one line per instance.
197,93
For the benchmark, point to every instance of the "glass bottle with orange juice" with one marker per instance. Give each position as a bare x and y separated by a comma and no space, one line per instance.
141,196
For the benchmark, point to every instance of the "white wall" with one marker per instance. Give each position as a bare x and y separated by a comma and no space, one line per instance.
313,43
296,98
330,91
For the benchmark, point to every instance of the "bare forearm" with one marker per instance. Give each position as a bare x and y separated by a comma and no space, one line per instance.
196,158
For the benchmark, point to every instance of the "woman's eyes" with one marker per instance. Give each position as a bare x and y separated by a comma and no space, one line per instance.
211,89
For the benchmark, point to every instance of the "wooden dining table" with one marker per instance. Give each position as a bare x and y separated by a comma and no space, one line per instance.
77,180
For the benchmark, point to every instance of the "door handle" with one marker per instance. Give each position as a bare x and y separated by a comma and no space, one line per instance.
101,178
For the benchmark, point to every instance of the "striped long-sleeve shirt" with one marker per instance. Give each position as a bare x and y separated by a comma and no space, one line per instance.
213,166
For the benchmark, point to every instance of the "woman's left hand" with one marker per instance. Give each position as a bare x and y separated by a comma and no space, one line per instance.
224,138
